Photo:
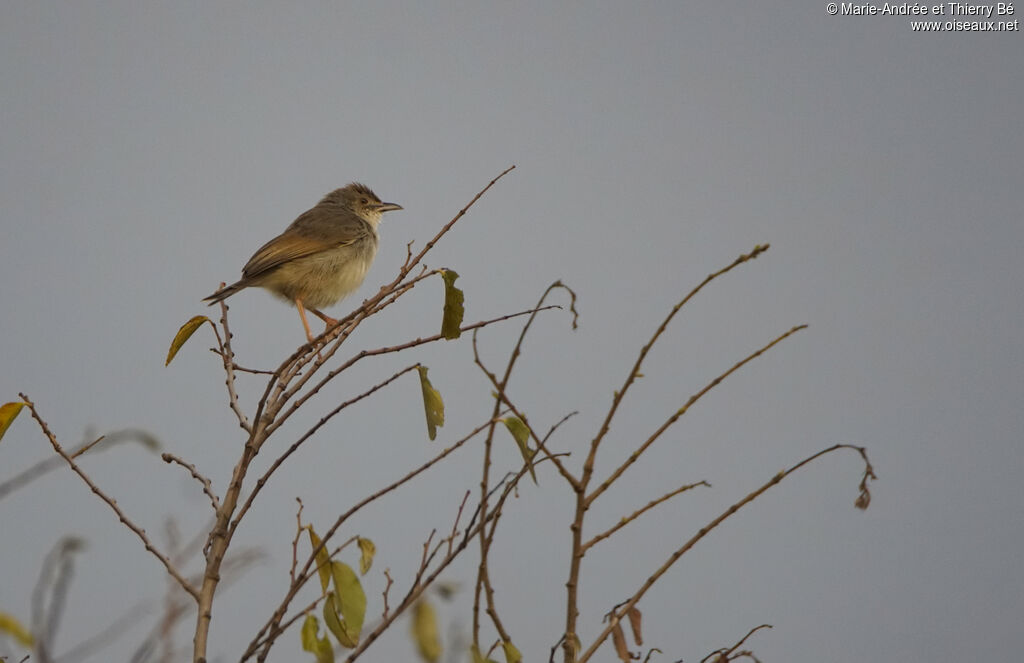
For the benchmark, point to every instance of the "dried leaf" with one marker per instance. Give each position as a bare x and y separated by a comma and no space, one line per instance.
8,411
451,322
311,642
183,335
521,434
619,640
634,624
432,404
425,632
367,551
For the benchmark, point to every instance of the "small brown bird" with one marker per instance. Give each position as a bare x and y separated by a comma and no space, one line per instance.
321,257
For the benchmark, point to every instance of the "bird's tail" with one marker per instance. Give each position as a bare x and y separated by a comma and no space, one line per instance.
225,292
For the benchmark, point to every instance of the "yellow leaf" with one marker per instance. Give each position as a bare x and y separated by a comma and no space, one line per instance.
451,321
13,628
345,607
432,404
311,642
367,551
323,561
512,654
183,335
477,656
425,633
8,411
521,434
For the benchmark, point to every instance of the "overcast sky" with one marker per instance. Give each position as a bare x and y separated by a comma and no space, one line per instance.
149,149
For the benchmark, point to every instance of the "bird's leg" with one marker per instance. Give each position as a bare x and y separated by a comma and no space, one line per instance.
302,314
328,320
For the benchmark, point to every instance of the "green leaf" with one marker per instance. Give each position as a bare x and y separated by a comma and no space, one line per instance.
8,411
13,628
323,560
451,322
521,434
432,404
345,607
367,550
311,642
425,631
184,334
333,621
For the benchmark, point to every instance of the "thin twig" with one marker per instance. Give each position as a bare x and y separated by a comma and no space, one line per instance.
635,371
483,583
139,532
207,484
654,577
681,411
639,512
387,588
470,533
228,357
305,436
87,446
49,464
381,351
455,525
274,623
299,528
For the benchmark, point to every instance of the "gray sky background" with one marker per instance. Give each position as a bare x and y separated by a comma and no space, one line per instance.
148,150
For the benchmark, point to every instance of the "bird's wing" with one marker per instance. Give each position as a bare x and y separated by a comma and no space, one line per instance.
300,241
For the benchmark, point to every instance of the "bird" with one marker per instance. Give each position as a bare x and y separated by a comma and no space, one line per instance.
321,257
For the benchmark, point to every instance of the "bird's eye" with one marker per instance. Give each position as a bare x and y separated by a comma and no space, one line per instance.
363,201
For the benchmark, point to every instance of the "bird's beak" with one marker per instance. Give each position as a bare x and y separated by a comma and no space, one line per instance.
388,207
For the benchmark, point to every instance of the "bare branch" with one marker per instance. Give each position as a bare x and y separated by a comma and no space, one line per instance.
681,411
708,528
588,466
639,512
381,351
274,625
228,357
207,484
305,436
387,588
503,399
729,654
139,532
49,464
